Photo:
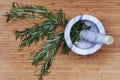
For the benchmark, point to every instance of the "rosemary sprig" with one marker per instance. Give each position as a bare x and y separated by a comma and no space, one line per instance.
17,16
40,30
22,12
47,53
46,29
37,32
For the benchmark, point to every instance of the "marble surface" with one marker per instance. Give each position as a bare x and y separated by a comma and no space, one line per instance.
84,47
95,37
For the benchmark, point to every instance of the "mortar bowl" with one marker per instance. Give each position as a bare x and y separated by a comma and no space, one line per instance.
84,47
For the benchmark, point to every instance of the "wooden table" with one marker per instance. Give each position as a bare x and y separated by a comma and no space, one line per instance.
103,65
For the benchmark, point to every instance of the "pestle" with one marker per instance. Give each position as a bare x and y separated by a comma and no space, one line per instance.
95,37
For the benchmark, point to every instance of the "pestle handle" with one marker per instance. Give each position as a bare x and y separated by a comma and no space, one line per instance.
96,37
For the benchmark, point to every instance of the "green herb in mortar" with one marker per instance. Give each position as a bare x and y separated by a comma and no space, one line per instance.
75,30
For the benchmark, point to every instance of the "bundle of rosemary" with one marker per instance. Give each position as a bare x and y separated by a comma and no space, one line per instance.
45,30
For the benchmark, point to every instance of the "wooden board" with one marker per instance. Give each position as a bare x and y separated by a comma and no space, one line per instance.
103,65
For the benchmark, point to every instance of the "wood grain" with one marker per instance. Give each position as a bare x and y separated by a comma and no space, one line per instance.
103,65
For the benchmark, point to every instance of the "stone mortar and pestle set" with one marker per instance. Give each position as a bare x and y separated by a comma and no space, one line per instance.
91,40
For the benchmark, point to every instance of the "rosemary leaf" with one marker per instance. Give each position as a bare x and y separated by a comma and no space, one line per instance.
65,48
18,16
63,20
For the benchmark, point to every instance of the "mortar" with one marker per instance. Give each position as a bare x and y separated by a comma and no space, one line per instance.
92,40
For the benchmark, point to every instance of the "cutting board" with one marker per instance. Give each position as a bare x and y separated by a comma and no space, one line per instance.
103,65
